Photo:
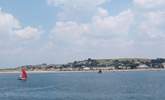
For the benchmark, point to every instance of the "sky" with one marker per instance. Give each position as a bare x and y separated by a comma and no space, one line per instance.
61,31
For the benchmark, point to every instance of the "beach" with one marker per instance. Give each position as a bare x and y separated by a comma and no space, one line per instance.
123,70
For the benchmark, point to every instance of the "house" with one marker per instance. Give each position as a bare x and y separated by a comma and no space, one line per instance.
142,66
86,68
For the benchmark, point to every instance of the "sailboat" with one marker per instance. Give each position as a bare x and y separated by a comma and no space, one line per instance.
23,75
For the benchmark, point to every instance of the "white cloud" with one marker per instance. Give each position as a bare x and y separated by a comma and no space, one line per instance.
102,12
153,25
69,31
120,35
7,23
103,29
10,27
113,25
86,28
77,10
149,3
76,3
102,25
28,33
100,35
16,39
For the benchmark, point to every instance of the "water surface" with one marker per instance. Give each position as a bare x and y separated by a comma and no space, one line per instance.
84,86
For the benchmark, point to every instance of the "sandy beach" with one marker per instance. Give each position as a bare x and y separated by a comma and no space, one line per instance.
128,70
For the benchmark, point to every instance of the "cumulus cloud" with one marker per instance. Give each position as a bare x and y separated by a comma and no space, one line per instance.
112,25
69,32
15,39
102,31
77,3
102,12
149,3
28,33
132,29
101,25
7,23
86,28
79,10
153,25
10,27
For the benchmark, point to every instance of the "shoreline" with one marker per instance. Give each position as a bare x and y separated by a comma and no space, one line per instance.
44,72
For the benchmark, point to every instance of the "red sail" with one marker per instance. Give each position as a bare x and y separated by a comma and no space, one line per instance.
23,74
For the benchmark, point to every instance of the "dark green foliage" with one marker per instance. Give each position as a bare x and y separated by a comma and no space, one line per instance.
126,63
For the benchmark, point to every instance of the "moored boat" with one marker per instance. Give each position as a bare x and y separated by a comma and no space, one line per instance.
100,71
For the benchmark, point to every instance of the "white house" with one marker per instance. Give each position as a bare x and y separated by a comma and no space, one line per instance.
86,68
143,66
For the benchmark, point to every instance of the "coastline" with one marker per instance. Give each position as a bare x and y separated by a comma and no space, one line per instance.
43,72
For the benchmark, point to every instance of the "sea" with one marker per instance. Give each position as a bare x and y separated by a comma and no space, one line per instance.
140,85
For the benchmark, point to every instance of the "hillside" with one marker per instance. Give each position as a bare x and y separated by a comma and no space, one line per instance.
130,63
91,64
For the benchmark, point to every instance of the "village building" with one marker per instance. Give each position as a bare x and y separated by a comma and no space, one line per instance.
143,66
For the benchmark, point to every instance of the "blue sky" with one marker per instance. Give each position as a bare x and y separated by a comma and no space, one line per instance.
31,12
61,31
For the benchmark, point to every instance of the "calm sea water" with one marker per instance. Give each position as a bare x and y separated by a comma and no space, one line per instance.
85,86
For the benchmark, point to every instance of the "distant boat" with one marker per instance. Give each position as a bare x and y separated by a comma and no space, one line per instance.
100,71
23,75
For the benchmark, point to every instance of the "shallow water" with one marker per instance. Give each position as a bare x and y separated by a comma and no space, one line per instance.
84,86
